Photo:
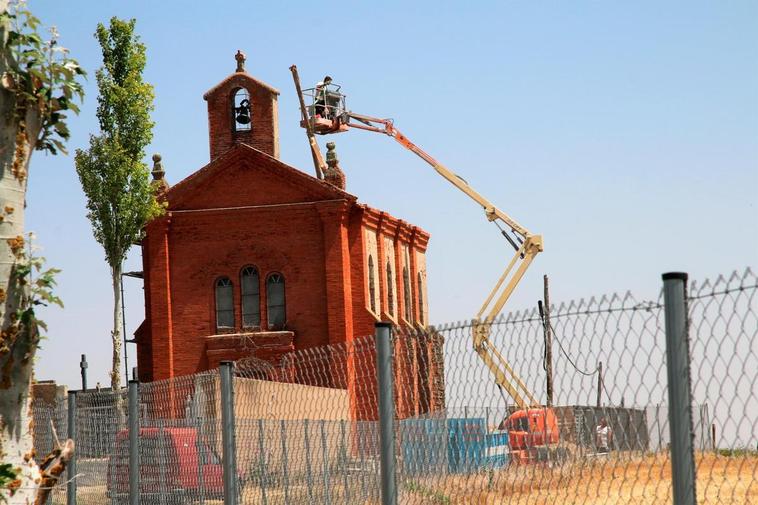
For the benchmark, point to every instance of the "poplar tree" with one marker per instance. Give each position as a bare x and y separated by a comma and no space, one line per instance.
113,175
39,85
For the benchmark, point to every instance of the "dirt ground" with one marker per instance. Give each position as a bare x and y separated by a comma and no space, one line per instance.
721,480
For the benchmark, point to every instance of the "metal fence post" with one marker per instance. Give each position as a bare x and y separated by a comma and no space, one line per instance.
680,392
383,334
134,489
229,458
285,466
343,458
71,469
263,471
164,462
325,463
308,472
203,451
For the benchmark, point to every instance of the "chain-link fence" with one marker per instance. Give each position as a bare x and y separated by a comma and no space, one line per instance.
306,429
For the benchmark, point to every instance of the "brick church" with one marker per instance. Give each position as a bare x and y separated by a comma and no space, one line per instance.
254,257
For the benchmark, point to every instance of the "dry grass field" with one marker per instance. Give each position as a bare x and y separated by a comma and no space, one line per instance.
721,480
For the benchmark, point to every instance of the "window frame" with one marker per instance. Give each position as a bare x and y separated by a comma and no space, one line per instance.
407,295
371,286
420,298
243,295
389,274
216,299
269,325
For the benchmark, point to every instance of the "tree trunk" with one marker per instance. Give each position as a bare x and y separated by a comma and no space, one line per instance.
18,343
118,316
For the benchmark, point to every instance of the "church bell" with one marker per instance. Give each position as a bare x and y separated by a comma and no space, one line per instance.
242,113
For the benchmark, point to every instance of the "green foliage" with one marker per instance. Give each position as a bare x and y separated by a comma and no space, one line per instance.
125,100
41,75
119,196
8,474
115,180
737,453
40,282
431,494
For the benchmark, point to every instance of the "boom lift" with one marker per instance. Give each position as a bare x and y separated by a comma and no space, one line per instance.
531,426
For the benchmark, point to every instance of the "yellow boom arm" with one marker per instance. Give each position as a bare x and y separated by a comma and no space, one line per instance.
527,248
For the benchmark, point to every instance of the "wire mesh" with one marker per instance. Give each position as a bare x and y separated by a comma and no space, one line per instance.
307,429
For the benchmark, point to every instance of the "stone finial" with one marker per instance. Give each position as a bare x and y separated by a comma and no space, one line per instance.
240,57
158,171
333,173
159,174
331,154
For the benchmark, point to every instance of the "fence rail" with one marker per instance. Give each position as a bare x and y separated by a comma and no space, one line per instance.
306,430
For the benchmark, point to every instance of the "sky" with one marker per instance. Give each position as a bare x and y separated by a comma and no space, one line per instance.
625,133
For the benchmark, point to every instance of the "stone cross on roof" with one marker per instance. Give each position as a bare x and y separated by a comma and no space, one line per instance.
240,57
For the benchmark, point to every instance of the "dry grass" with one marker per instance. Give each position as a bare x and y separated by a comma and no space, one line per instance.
721,480
638,481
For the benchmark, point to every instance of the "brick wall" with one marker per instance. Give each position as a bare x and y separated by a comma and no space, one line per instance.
247,208
264,131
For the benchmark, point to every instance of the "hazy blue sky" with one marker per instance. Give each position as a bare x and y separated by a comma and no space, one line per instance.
625,133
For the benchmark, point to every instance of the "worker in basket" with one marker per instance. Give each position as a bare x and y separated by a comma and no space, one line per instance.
320,96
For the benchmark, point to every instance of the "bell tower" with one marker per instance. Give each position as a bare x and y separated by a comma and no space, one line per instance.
242,109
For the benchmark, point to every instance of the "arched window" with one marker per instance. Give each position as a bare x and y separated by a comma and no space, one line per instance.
224,303
420,299
242,113
251,297
371,284
277,315
390,291
407,295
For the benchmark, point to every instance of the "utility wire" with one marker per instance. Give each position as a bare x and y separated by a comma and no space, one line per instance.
560,345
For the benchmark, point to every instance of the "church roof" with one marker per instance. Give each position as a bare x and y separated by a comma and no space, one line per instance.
249,158
237,75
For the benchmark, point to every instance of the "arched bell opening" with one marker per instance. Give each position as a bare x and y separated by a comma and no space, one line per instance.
242,113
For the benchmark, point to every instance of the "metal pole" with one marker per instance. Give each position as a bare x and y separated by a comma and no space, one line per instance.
713,437
134,490
599,382
229,459
325,464
262,461
203,450
680,392
308,471
658,422
343,457
362,446
83,365
163,462
285,466
71,486
383,333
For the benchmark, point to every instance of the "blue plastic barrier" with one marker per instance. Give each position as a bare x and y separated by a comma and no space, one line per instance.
424,446
457,445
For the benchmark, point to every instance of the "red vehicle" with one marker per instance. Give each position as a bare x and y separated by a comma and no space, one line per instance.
174,463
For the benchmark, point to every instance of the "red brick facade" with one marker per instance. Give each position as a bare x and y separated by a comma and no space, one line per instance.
248,209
